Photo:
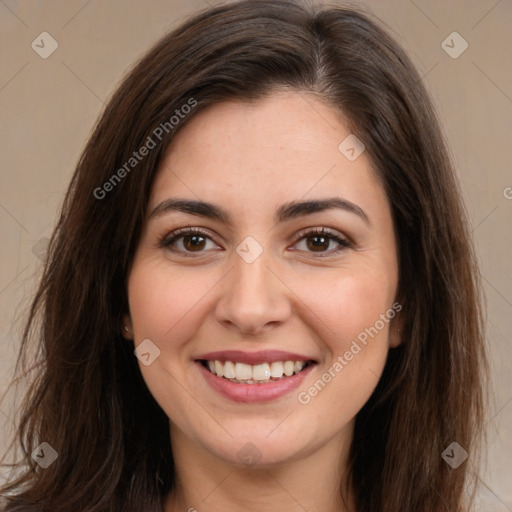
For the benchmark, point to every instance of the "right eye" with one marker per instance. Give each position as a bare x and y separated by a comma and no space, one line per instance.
192,240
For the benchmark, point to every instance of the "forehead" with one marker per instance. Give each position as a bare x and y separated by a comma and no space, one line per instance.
252,154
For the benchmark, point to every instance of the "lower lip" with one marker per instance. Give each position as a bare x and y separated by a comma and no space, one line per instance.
249,393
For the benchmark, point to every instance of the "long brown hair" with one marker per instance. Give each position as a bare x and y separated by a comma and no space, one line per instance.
87,398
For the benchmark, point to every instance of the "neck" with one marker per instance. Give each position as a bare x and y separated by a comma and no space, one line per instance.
311,482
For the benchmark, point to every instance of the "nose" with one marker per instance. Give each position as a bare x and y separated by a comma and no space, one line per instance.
253,298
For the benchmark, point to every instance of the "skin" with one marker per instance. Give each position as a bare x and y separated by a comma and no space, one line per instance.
250,158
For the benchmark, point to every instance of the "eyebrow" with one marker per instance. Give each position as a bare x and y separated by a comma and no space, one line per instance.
287,211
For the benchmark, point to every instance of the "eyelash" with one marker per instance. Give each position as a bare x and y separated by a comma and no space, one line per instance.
167,240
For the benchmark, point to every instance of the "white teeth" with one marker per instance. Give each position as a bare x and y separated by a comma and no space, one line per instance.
261,371
219,369
276,369
229,370
289,368
251,374
242,371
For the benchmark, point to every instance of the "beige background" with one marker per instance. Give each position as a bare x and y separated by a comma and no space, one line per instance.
48,107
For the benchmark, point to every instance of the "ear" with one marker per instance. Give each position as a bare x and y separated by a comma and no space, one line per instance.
127,328
396,327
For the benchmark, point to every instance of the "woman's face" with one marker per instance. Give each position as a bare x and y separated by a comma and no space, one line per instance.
254,290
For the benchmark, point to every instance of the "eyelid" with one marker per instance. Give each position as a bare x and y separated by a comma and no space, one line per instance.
175,234
323,230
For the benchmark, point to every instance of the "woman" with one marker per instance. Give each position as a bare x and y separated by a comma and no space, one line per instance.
261,293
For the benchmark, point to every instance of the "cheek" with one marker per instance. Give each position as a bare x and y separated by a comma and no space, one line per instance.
162,300
348,304
162,310
352,307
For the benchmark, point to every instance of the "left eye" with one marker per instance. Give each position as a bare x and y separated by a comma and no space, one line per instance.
194,240
323,237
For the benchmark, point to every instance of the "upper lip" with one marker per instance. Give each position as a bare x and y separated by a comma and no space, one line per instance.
252,358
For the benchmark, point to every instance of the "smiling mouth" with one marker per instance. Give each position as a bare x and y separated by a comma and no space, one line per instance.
241,373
